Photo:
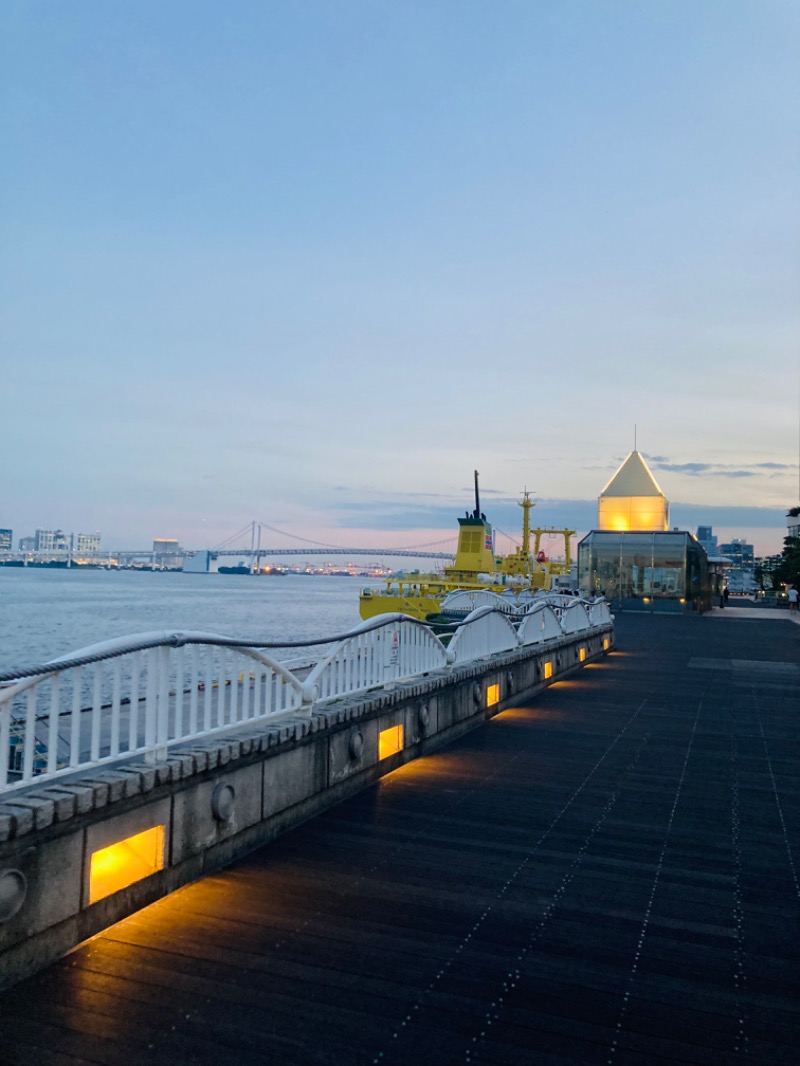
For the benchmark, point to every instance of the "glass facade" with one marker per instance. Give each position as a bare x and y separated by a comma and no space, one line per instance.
645,571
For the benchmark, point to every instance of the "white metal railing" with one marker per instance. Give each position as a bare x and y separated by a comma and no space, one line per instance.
540,624
492,633
369,658
574,618
599,612
139,696
134,697
465,601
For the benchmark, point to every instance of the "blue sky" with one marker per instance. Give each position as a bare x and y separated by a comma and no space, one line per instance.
313,263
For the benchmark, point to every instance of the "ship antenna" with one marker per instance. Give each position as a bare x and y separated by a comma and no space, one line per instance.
477,498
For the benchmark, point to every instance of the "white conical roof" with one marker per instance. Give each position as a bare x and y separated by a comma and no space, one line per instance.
633,479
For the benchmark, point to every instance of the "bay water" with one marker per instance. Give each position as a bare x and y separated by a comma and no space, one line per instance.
47,613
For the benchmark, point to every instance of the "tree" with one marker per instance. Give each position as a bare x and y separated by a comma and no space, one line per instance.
789,570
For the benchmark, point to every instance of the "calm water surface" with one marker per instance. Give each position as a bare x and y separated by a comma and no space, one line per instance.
45,613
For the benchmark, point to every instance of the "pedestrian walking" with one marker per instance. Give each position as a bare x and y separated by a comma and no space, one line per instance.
792,595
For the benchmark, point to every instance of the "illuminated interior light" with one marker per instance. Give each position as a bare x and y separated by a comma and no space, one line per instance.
390,741
121,864
492,695
582,654
548,669
606,643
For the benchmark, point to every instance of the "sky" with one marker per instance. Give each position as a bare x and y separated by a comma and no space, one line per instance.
312,264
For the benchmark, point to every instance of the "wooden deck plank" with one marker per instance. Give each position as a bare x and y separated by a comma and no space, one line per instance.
603,876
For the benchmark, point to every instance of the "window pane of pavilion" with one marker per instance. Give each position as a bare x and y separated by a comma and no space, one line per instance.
669,565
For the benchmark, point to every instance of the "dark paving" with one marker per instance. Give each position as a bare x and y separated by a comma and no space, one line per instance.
607,876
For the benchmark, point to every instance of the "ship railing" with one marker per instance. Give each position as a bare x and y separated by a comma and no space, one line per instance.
137,698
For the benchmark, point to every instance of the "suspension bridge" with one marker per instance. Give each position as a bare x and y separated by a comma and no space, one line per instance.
248,543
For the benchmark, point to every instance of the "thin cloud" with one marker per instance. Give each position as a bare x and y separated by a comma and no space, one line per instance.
719,469
693,469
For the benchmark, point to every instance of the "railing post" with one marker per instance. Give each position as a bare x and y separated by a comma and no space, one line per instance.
150,704
159,753
5,742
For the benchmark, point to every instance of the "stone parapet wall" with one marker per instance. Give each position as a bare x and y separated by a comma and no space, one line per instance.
220,797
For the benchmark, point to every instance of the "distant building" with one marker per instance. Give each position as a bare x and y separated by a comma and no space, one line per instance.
27,544
163,546
6,539
793,522
87,543
51,540
741,581
740,553
707,539
767,565
167,553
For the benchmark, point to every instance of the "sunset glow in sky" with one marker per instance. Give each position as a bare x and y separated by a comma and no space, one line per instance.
313,263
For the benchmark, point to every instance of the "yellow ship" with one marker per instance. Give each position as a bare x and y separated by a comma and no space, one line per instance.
475,567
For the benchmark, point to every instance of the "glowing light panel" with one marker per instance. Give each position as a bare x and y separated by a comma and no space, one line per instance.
492,695
119,865
390,741
582,654
548,670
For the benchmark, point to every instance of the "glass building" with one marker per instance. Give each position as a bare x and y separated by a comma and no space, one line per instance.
645,571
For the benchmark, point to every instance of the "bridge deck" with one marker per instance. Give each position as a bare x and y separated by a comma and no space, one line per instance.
607,876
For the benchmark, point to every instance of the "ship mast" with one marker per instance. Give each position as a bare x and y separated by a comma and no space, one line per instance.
526,503
477,512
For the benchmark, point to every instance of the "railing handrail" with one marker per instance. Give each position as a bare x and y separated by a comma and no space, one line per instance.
64,721
109,649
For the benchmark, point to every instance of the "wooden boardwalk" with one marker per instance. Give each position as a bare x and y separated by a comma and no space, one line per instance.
609,875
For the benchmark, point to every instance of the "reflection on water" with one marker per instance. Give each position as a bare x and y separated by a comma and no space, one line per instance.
48,613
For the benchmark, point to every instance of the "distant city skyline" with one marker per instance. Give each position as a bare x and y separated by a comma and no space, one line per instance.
502,511
313,264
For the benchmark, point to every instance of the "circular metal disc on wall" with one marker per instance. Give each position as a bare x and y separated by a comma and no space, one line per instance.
356,746
223,802
13,890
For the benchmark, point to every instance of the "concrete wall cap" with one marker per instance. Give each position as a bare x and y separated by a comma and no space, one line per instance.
42,813
65,803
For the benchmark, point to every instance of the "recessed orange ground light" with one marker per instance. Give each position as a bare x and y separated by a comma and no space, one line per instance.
119,865
390,741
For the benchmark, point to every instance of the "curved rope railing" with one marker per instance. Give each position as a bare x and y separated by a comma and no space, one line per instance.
140,696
